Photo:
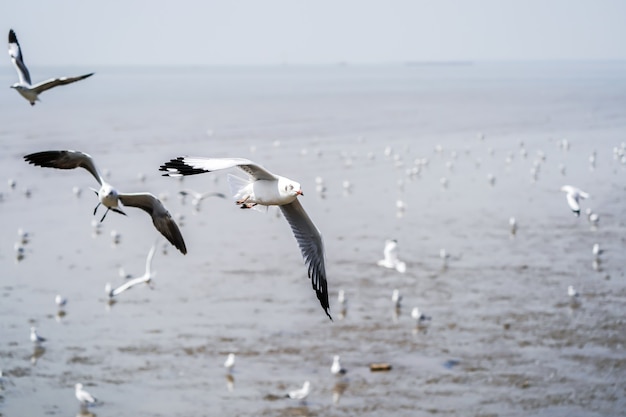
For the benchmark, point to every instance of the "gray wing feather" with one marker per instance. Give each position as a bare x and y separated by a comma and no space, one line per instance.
186,165
54,82
312,248
161,218
64,160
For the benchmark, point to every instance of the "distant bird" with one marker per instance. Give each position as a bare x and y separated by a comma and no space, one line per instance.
572,292
593,218
396,298
83,396
341,297
573,196
390,257
266,189
146,278
445,257
596,250
229,363
513,225
34,337
24,87
491,179
197,197
109,196
418,316
60,300
336,368
302,393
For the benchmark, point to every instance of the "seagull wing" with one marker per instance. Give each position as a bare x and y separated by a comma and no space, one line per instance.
15,52
149,259
186,165
310,242
160,216
572,200
53,82
65,160
128,285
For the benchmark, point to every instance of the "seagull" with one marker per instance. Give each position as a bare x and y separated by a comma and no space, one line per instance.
513,225
396,298
267,189
596,250
109,196
60,300
572,292
197,197
341,297
24,87
418,316
34,337
146,278
573,196
336,368
593,218
229,363
302,393
83,396
391,260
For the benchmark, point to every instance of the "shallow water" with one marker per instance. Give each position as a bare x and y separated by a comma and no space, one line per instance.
504,339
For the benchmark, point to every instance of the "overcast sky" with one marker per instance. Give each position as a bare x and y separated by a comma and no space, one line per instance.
226,32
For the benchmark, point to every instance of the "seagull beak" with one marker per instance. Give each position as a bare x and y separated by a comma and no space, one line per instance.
299,192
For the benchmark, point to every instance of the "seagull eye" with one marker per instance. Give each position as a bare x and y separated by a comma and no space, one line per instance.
290,187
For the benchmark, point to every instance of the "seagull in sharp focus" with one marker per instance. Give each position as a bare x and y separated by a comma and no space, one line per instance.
83,396
573,196
24,87
109,196
262,188
390,259
146,278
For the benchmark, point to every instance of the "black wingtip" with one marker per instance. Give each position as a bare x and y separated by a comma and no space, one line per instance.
178,166
12,37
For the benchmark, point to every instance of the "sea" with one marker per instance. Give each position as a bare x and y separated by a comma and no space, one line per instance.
437,156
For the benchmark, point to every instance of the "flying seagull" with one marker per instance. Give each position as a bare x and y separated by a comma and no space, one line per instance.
266,189
24,87
573,195
146,278
109,196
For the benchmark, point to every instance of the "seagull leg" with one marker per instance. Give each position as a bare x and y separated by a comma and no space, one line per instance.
105,214
243,200
247,205
118,211
96,209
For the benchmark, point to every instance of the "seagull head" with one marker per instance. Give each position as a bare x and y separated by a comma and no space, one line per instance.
290,188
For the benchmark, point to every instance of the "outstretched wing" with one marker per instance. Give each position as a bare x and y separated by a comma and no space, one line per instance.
64,160
15,52
186,165
160,216
310,242
54,82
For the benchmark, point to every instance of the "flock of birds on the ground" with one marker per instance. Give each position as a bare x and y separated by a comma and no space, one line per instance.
261,188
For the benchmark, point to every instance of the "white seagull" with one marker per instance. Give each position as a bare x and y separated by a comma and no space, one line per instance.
34,337
391,260
571,291
24,87
302,393
146,278
109,196
60,300
418,316
229,363
573,196
197,197
336,368
396,298
83,396
266,189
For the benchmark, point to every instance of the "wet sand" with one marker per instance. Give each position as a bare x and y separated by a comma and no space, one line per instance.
504,340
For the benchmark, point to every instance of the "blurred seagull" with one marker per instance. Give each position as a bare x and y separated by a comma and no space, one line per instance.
390,259
146,278
513,225
60,300
266,189
302,393
341,297
573,196
593,218
596,250
109,196
418,316
196,197
336,368
34,337
229,363
396,298
83,396
572,292
24,87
